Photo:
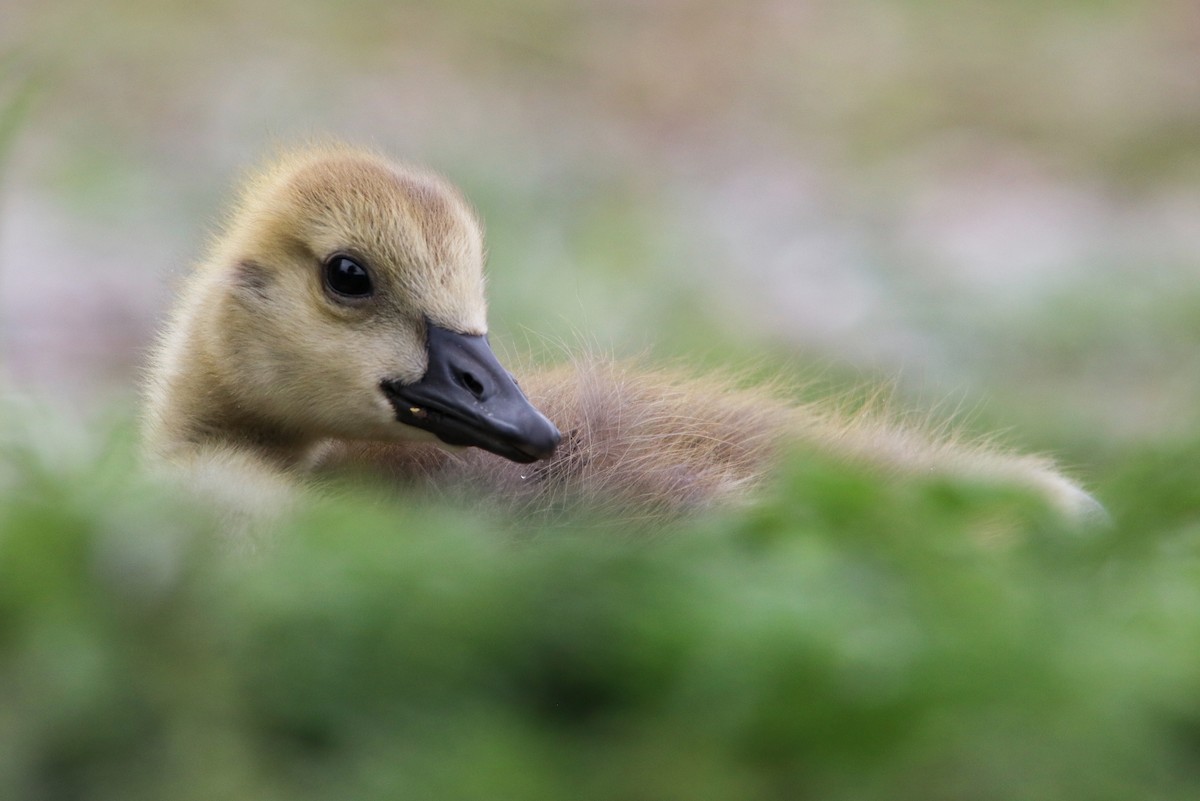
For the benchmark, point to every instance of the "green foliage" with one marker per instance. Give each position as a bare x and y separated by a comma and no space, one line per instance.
839,639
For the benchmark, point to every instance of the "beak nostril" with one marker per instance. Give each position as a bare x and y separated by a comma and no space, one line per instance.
471,384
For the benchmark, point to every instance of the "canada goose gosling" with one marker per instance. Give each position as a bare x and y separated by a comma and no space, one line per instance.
340,320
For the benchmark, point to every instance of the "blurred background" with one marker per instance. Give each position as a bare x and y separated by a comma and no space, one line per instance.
995,205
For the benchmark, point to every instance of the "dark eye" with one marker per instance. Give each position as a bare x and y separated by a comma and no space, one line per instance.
346,277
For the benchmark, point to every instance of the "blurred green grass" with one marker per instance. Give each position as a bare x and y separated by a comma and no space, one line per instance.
840,639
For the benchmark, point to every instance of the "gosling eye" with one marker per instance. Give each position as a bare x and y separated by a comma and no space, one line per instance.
347,278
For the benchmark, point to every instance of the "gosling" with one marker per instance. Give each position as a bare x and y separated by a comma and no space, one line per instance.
338,326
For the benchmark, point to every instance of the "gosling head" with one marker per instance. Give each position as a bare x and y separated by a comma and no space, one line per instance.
351,298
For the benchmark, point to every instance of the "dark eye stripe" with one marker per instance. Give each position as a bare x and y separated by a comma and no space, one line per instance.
346,277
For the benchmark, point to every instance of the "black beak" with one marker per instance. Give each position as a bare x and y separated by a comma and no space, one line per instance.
467,398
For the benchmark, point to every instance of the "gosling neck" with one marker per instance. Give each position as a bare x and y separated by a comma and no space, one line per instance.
195,405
